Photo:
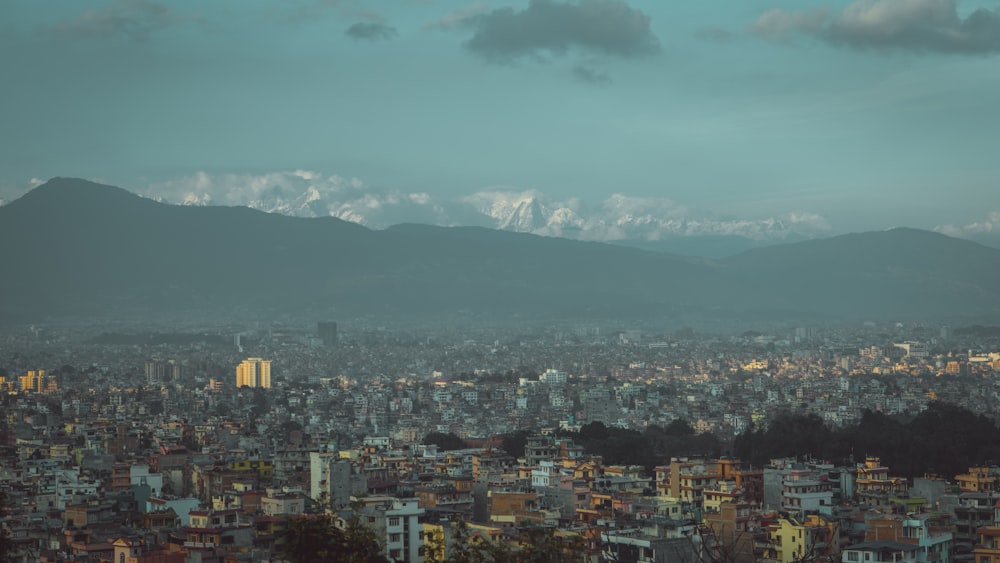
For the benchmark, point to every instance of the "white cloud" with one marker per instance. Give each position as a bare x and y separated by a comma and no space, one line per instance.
988,226
905,25
309,193
779,25
806,218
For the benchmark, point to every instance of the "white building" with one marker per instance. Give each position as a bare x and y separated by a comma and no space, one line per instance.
552,377
396,525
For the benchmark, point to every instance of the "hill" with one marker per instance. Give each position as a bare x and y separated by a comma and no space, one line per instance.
76,248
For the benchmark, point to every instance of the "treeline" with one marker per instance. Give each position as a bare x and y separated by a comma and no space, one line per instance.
617,446
943,440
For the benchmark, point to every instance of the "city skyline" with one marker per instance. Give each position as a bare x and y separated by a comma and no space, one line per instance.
846,116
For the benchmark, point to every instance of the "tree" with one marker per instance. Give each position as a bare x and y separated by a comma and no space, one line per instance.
542,545
317,538
8,551
311,539
445,442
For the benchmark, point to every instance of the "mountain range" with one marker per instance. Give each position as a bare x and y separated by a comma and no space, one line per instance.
73,248
647,222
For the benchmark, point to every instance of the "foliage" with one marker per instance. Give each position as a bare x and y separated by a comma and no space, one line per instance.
445,442
652,447
316,538
8,551
944,439
514,443
537,544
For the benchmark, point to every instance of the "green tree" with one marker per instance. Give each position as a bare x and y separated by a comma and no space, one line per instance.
317,538
310,539
445,442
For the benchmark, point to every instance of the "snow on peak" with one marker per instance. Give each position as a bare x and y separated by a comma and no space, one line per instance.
305,193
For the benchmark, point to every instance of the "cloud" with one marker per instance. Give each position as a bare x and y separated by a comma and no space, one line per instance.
590,75
306,193
779,25
904,25
371,31
133,20
608,27
460,17
303,193
988,226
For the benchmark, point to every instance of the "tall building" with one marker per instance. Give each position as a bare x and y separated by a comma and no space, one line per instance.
159,371
327,333
254,372
34,381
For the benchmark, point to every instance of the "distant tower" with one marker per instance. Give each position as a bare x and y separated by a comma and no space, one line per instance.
254,372
328,333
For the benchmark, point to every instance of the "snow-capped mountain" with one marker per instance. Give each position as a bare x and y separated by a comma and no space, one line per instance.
618,218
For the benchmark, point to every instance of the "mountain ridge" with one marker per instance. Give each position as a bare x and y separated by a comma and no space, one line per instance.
93,250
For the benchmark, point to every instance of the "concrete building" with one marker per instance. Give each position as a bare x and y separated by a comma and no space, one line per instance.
254,372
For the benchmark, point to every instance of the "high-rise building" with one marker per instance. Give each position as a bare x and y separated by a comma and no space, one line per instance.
327,333
34,381
159,371
254,372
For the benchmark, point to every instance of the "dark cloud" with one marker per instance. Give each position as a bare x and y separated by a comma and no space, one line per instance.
609,27
906,25
371,31
590,75
135,20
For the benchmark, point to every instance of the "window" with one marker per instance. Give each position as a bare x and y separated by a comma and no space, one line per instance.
852,555
394,521
396,554
395,537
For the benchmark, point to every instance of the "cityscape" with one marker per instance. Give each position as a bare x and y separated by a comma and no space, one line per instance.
209,445
499,281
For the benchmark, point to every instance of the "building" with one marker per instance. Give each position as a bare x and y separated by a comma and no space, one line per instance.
880,552
34,381
931,533
874,486
327,333
913,349
158,371
812,539
254,372
395,522
552,377
988,548
979,480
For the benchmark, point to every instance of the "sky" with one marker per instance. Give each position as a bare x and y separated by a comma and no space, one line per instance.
864,114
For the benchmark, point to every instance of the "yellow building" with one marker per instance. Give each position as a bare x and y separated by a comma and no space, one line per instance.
979,480
813,539
874,485
442,539
988,549
34,381
254,372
